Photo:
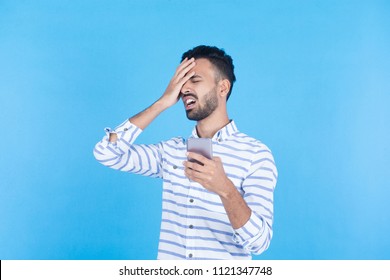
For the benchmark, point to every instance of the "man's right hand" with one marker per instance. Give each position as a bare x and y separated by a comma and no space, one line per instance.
170,97
182,75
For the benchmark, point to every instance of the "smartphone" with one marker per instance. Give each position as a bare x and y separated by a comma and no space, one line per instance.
202,146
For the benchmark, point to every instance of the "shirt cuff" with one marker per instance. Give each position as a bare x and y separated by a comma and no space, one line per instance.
126,131
250,231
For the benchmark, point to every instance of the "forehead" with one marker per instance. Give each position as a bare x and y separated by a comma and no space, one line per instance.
204,68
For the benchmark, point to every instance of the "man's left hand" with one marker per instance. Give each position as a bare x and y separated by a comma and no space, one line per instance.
210,175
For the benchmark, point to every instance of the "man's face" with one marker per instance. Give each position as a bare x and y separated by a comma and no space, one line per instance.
199,94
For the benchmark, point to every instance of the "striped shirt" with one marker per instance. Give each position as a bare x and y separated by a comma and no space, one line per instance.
194,222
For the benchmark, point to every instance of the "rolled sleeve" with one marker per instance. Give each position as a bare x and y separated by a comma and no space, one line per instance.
126,156
251,235
255,236
126,133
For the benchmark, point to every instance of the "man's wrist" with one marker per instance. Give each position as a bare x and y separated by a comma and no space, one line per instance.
228,191
161,105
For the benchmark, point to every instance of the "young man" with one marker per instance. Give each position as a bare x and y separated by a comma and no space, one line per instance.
221,208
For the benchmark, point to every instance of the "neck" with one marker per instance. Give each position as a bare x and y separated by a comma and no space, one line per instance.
207,127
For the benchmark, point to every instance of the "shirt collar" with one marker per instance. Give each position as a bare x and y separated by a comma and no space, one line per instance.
222,134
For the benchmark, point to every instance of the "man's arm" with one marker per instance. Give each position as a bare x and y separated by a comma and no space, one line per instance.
116,150
212,176
169,98
251,218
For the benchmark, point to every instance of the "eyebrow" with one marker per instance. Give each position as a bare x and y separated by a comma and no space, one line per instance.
196,77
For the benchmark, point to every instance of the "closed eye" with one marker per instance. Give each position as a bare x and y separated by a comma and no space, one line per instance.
196,79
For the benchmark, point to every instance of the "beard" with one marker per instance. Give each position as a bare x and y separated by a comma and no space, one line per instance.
210,102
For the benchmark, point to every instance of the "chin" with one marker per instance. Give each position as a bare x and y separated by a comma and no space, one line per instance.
190,117
196,117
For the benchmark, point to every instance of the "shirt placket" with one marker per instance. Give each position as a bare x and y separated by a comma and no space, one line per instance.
190,222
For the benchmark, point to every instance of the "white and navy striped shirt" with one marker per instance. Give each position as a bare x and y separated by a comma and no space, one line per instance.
194,222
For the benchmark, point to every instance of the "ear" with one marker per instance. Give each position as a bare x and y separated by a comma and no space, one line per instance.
223,87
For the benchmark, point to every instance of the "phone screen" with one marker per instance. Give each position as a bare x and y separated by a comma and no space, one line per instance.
202,146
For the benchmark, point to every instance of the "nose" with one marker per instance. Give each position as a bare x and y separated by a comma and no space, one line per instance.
186,87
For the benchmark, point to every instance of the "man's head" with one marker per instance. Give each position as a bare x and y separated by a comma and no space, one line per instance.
211,85
222,62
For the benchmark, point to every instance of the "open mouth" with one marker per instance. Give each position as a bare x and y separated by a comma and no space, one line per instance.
189,102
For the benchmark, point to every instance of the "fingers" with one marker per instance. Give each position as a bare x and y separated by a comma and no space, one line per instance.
198,157
185,63
204,163
182,75
196,176
183,71
194,166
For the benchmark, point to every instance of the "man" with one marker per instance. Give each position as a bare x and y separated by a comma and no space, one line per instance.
221,208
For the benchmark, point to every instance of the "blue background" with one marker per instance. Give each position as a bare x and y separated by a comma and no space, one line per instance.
312,83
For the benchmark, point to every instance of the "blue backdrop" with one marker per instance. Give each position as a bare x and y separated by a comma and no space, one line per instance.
312,83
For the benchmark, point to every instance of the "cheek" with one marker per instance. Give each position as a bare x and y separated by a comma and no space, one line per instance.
200,89
203,90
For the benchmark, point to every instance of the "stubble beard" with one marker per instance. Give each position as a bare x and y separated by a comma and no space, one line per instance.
203,111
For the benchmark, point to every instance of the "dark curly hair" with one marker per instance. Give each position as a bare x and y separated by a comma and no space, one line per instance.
218,58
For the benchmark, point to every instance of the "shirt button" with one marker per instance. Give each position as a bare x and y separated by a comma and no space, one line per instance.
220,140
125,129
191,200
190,255
191,226
174,167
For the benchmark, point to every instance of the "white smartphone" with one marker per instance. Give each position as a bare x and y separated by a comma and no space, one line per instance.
202,146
